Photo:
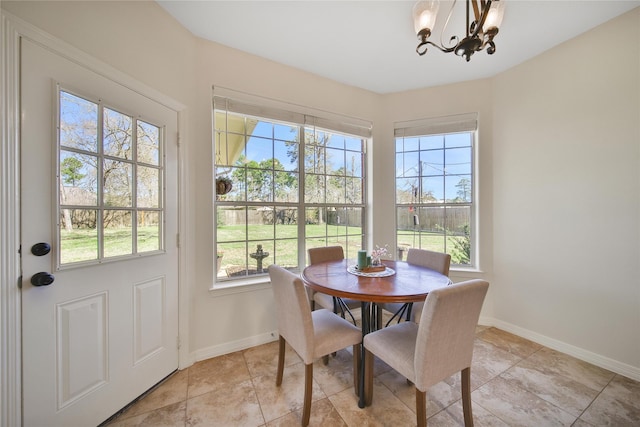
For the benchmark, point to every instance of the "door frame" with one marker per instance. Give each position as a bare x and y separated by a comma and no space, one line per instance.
13,29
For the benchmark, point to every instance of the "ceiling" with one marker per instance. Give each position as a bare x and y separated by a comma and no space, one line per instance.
371,44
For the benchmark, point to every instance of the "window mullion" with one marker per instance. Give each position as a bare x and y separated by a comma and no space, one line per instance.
100,210
134,186
302,211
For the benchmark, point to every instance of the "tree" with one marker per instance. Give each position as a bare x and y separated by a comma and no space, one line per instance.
70,169
461,252
117,142
464,189
315,159
266,180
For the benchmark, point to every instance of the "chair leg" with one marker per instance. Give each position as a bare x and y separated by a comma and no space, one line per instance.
312,300
308,388
280,361
357,361
466,396
421,408
368,377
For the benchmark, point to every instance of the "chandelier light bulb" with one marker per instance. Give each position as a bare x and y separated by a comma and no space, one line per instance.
494,16
424,15
427,19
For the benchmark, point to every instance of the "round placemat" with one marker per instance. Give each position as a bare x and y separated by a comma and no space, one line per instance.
353,269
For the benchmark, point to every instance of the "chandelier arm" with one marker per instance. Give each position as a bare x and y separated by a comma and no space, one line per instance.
446,25
492,47
488,43
441,48
469,26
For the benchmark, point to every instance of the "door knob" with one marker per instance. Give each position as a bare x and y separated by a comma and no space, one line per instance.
42,279
40,249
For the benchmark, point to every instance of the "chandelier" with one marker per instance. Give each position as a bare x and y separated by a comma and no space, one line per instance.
479,32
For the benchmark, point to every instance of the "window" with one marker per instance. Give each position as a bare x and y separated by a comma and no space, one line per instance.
435,186
285,182
110,172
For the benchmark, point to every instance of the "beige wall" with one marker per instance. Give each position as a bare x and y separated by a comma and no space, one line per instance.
223,322
558,170
567,191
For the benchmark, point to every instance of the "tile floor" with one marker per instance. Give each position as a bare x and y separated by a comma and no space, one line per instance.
515,382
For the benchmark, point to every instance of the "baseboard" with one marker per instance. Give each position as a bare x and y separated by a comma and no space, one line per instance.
230,347
616,366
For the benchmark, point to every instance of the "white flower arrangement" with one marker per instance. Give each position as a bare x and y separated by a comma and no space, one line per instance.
378,253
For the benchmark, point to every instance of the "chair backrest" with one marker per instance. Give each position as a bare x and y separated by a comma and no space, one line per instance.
295,324
446,331
437,261
325,253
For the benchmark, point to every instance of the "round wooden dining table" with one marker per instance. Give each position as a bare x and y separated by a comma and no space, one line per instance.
409,283
400,282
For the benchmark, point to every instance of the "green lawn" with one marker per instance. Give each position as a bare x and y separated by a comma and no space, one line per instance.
231,242
82,244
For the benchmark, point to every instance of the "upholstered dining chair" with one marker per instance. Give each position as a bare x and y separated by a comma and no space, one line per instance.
437,261
341,305
430,351
311,334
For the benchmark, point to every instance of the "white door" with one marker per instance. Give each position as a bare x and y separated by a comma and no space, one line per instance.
99,186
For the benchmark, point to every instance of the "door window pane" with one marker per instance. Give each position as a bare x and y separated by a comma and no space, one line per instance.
148,189
118,233
79,179
148,144
78,235
117,134
148,234
78,123
117,177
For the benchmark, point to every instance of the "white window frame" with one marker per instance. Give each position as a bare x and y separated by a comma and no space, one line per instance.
461,123
100,207
304,117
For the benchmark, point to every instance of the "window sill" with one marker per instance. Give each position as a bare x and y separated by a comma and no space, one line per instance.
471,272
240,286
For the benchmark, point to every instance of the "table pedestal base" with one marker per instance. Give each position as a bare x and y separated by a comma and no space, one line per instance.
370,317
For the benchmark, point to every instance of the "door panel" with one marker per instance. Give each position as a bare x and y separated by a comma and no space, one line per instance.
104,331
82,343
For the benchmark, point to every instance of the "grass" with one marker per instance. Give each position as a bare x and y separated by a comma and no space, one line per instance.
82,244
281,243
232,245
